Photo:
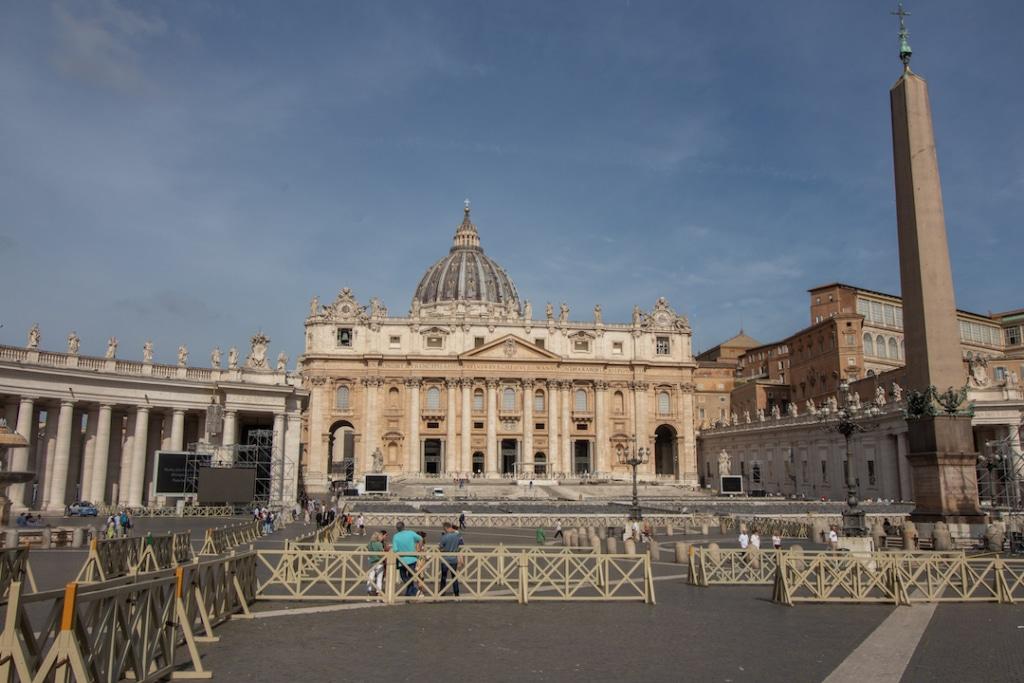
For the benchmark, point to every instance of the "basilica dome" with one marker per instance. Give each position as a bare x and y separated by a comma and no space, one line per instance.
466,280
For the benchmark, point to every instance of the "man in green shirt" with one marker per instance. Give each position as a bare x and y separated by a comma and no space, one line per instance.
541,536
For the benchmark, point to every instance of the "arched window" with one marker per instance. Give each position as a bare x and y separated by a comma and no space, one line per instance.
341,398
433,398
618,403
880,346
894,349
478,400
664,403
581,400
538,401
869,345
393,397
508,399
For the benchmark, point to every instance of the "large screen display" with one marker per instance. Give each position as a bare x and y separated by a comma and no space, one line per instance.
226,485
376,483
732,483
169,473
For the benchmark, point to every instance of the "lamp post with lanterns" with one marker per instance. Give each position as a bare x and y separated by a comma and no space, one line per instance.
634,457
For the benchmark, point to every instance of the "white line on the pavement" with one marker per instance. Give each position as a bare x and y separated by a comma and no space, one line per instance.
314,610
885,654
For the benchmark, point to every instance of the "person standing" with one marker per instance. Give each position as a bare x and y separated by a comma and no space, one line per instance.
462,520
126,523
407,541
558,529
361,523
541,536
744,539
755,540
776,541
375,579
833,538
451,542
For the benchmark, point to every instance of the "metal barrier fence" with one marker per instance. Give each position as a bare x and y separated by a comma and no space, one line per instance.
188,511
897,578
323,538
767,526
482,575
222,539
132,627
14,566
533,520
110,558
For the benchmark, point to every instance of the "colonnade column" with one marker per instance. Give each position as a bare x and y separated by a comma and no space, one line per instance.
46,483
527,454
88,455
601,464
139,456
412,453
276,459
19,456
62,456
177,429
554,464
124,479
466,444
101,453
491,462
230,434
451,452
568,457
291,457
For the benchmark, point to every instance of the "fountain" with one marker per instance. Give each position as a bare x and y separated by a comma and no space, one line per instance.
8,440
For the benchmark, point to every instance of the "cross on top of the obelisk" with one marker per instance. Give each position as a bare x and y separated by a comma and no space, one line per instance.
905,51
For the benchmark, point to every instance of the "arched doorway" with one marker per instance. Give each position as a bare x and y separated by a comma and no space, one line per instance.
478,463
665,450
341,451
432,456
540,464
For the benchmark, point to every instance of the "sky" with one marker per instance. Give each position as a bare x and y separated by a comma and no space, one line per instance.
194,171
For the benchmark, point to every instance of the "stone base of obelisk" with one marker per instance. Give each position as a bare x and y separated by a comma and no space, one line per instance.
944,471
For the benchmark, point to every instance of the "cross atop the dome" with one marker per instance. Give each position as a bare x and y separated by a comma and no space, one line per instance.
466,206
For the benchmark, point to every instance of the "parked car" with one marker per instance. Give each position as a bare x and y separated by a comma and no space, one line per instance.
82,508
438,492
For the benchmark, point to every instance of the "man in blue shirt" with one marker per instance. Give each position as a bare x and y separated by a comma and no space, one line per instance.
451,542
406,542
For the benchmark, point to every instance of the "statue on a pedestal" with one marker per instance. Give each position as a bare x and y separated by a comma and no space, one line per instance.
597,314
147,351
182,356
73,343
215,357
282,362
111,348
232,358
33,336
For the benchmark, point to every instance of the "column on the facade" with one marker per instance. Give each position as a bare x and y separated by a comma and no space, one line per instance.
412,444
19,456
491,462
568,457
62,456
686,448
903,468
88,455
601,464
230,435
177,429
101,452
290,473
640,424
321,399
124,477
11,411
451,452
138,473
466,440
554,462
371,438
277,460
166,426
527,454
50,453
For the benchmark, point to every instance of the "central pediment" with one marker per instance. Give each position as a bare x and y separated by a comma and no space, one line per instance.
510,348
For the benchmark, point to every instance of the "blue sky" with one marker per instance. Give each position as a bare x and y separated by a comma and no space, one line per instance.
195,171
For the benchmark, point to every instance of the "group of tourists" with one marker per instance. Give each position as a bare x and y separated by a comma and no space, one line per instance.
265,518
753,540
118,525
407,543
28,519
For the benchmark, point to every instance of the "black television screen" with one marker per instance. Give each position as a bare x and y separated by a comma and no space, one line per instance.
376,483
732,483
170,473
226,485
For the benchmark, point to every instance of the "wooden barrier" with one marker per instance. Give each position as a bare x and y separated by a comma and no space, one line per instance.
14,566
222,539
110,558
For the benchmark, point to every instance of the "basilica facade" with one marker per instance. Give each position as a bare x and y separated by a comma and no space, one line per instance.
470,384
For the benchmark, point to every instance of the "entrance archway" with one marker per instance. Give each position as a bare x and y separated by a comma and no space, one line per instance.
581,457
432,456
341,451
540,464
665,450
478,463
509,455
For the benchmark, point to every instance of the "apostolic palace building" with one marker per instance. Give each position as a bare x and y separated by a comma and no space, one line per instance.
467,384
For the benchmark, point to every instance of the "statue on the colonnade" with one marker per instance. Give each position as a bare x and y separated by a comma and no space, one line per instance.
637,314
854,400
760,414
314,306
597,314
811,409
232,358
34,336
724,462
147,351
897,392
1012,379
549,311
879,396
282,362
215,357
257,359
776,413
528,311
563,313
182,355
112,348
746,416
791,409
74,341
735,418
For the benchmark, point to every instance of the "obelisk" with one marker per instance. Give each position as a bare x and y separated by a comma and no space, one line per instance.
941,447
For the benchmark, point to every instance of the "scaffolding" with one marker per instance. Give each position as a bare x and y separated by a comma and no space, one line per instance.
256,454
1001,483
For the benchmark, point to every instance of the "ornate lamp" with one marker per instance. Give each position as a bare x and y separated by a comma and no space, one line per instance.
634,457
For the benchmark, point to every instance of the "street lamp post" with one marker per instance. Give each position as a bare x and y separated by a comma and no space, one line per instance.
848,422
634,457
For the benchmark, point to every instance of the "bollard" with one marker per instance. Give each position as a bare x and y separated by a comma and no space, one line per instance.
818,531
572,540
613,545
753,556
714,552
44,543
878,534
682,552
11,538
565,538
629,547
602,532
78,537
654,551
994,537
595,543
704,529
723,526
941,538
909,536
668,529
797,551
581,533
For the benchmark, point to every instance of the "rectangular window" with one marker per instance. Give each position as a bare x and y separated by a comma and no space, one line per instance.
345,336
877,313
701,413
899,317
581,426
432,425
478,401
1000,374
478,342
803,471
662,346
863,307
478,425
395,342
890,315
1012,336
581,345
871,472
617,348
435,342
538,425
539,342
